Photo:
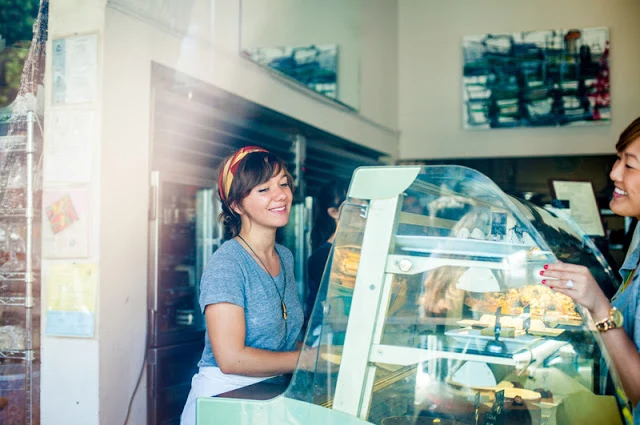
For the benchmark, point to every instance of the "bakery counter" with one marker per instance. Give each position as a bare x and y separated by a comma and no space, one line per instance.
432,312
263,390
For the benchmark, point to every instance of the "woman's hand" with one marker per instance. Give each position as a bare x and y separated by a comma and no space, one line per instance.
585,291
578,283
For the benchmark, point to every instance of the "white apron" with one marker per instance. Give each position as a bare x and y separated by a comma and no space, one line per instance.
208,382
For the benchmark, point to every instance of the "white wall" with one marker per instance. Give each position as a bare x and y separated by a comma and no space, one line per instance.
430,69
69,366
295,23
379,62
365,30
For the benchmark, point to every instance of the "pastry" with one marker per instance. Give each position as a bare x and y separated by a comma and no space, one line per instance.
546,395
524,394
519,411
505,332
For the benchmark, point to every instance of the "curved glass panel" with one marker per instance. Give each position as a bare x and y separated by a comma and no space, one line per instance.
570,243
431,310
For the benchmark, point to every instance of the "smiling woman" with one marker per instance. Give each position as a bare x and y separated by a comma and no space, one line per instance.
248,293
626,173
616,319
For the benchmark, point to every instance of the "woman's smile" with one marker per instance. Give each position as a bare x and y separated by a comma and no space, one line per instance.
618,193
625,174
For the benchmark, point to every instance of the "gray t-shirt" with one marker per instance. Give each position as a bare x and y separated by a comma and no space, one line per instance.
233,276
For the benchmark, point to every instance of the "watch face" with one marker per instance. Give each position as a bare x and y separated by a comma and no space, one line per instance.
617,317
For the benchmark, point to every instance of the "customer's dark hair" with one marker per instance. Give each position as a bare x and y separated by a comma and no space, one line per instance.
254,169
331,195
628,135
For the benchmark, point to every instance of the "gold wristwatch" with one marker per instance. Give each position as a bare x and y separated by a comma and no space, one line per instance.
614,320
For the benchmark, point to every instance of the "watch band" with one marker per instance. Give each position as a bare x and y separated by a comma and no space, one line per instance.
605,324
609,322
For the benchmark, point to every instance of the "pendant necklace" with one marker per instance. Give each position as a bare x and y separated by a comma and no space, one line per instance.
282,304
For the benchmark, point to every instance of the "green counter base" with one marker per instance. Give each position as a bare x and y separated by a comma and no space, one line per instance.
278,411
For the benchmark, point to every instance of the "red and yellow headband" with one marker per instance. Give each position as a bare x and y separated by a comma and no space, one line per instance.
230,167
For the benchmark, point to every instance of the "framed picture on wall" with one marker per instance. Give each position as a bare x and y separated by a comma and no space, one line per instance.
315,66
582,204
558,77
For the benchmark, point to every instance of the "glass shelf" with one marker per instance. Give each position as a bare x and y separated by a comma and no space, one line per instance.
17,276
18,354
19,286
12,301
17,213
16,143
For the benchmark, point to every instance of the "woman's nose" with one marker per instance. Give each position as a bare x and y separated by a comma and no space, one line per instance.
616,171
280,193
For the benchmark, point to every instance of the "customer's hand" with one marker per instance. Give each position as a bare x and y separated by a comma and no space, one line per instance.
578,283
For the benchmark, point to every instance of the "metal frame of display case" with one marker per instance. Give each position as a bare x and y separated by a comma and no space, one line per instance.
372,291
363,347
24,144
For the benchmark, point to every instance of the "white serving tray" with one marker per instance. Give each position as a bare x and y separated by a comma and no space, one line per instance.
472,339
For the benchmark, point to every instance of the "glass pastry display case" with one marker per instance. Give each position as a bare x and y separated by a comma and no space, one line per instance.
432,311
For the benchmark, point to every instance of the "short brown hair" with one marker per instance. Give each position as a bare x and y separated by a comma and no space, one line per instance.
253,170
628,135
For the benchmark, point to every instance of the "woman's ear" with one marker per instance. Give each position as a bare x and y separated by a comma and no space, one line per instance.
334,213
236,208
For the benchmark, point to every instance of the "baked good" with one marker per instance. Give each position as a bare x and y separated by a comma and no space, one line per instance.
505,332
522,412
546,395
522,394
345,265
542,301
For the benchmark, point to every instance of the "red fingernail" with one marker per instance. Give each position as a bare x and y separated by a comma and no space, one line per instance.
546,266
544,281
541,272
550,287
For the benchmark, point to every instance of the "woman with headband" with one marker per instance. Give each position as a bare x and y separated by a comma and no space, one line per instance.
248,292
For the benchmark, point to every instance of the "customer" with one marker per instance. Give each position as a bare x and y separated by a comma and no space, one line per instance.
621,337
248,291
327,207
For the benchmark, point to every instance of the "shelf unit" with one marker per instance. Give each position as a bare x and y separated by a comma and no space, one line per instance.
20,284
390,253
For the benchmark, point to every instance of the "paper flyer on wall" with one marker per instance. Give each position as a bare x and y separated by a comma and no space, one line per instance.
68,153
71,299
75,69
582,203
67,223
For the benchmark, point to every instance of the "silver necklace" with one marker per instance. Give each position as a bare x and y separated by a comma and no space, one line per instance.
282,304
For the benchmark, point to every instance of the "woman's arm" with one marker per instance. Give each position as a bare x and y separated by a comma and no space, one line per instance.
586,292
226,328
626,359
